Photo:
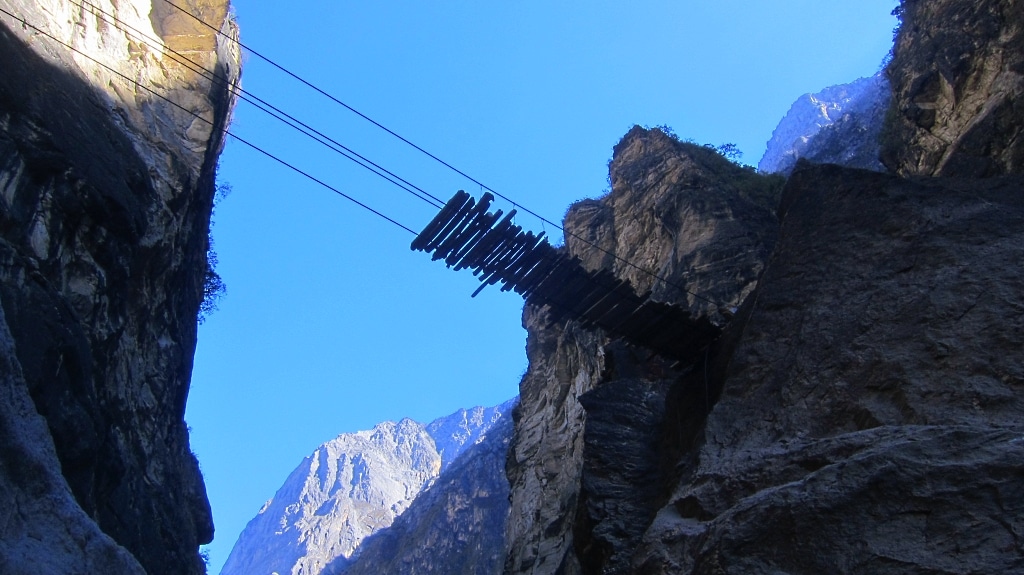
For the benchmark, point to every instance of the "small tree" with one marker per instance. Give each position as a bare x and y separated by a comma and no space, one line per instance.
214,287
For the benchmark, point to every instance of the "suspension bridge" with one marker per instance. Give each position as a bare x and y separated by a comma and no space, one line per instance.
466,235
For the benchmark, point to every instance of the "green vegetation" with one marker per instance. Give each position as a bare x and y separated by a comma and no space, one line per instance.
214,287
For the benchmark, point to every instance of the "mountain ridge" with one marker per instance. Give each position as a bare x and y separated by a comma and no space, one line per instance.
352,487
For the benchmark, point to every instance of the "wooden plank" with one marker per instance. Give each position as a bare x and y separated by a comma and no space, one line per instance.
474,234
535,247
586,300
458,237
488,243
450,226
540,271
533,252
454,205
489,260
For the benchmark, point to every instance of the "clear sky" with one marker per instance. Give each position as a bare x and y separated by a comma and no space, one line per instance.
330,323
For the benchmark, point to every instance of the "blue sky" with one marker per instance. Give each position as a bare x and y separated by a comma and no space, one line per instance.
330,323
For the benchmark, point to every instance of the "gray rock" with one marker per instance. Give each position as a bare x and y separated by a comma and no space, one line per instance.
958,84
870,419
358,502
456,526
105,197
695,219
348,489
44,530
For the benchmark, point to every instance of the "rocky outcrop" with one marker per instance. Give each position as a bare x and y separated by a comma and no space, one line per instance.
105,197
351,490
870,420
456,526
696,220
958,84
838,125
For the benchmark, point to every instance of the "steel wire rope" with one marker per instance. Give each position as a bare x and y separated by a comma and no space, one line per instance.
288,165
274,111
439,160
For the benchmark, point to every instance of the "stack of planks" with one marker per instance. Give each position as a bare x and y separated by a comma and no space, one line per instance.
465,235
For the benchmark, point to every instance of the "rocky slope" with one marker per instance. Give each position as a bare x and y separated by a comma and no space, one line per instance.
105,196
861,412
838,125
357,484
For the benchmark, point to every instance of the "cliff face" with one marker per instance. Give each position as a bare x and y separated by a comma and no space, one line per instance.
861,411
958,80
585,475
105,196
870,415
349,488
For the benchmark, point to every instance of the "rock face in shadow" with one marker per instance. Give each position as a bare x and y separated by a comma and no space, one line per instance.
105,198
958,85
586,478
870,420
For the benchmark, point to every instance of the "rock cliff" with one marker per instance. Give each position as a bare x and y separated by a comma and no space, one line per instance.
586,460
958,80
105,197
869,419
861,411
349,488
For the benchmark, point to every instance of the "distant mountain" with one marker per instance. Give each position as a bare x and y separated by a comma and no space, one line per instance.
352,487
465,428
455,527
838,125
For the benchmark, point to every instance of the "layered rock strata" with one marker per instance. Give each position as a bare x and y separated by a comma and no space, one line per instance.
105,197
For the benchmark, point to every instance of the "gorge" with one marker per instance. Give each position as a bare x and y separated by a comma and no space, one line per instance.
861,412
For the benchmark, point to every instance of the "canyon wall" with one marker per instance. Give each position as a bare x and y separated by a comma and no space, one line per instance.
108,152
861,411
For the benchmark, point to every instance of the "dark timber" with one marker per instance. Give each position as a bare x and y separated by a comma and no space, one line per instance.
465,235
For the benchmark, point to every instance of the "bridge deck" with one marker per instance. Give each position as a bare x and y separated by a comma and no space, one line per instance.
465,235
